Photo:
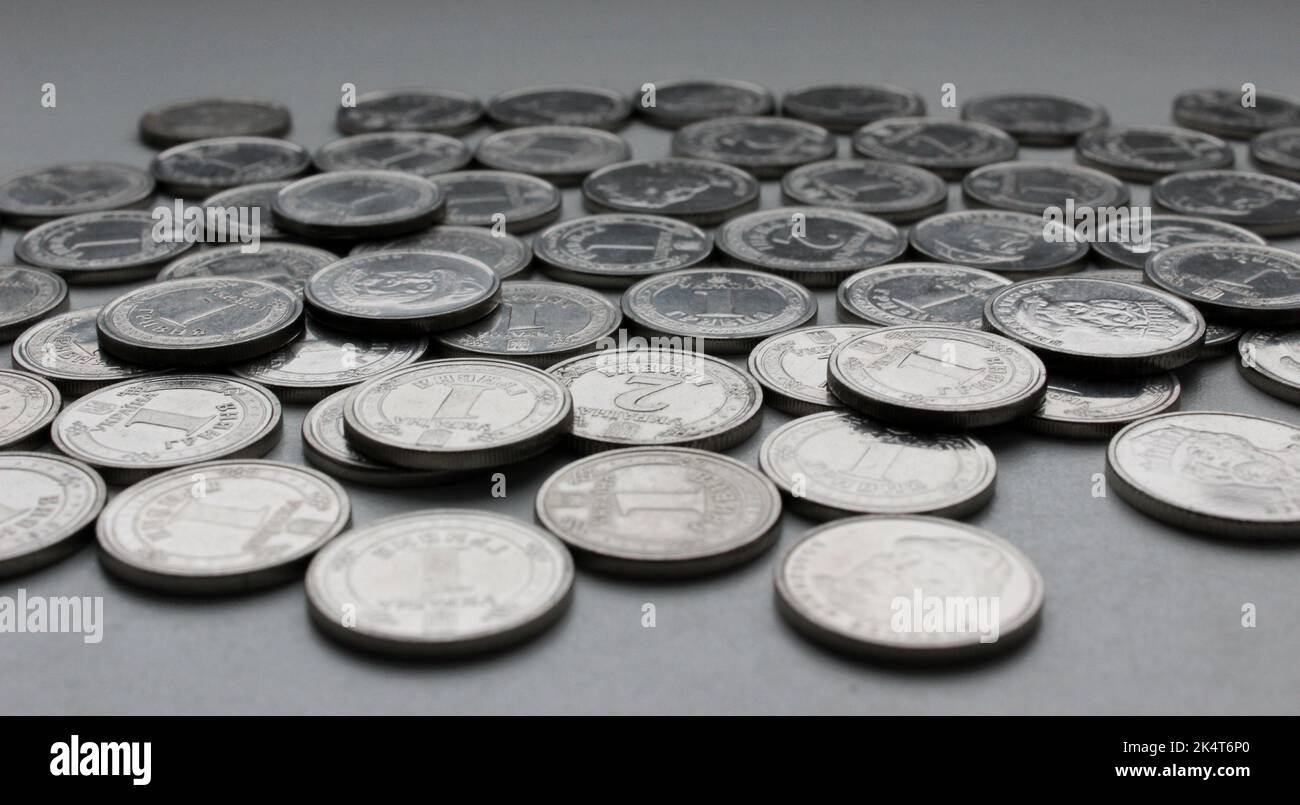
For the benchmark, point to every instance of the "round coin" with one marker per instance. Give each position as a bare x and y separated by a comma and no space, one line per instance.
1270,360
791,367
817,246
47,504
485,198
563,155
886,190
505,254
1225,112
592,107
616,250
358,204
1233,283
1118,247
1146,153
254,202
1037,118
204,167
1034,187
26,297
950,148
434,110
287,265
416,152
676,103
28,404
845,108
71,188
1091,408
325,446
1278,152
1266,204
99,247
918,293
767,147
64,349
693,190
1015,244
204,118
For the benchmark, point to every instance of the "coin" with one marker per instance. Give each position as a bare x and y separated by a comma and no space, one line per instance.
537,323
434,110
457,414
439,582
676,103
99,247
1090,408
658,398
358,204
817,246
767,147
1259,202
1146,153
420,153
287,265
325,446
1219,340
1225,112
1037,118
697,191
402,293
838,464
47,503
27,296
35,196
199,322
950,148
936,377
1034,187
562,155
887,190
322,361
560,106
517,201
718,309
791,367
28,404
1098,326
204,167
918,293
908,587
221,527
204,118
1278,152
1270,360
64,349
616,250
845,108
661,511
130,430
505,254
1165,231
1015,244
1230,475
252,200
1233,283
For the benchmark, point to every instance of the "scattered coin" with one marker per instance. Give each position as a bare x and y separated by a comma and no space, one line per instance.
28,404
434,110
1234,283
886,190
256,202
593,107
420,153
1015,244
520,202
64,349
221,527
562,155
1270,360
505,254
99,247
1146,153
1091,408
1219,340
26,297
918,293
817,246
1224,112
325,446
676,103
697,191
845,108
33,197
950,148
359,204
791,367
204,118
439,582
1034,187
204,167
616,250
1266,204
767,147
285,264
1037,118
1277,152
1166,231
48,503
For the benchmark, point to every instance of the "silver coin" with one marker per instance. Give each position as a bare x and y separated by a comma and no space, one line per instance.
950,148
221,527
519,202
1269,205
936,377
1037,118
592,107
1278,152
439,582
199,322
358,204
676,103
658,398
1146,153
908,587
1166,231
1234,283
457,414
204,118
1015,244
99,247
1270,360
130,430
1224,112
26,297
616,250
1034,187
537,323
225,207
661,511
64,349
838,464
47,504
1220,340
28,404
845,108
1230,475
562,155
697,191
717,309
791,367
816,246
434,110
415,152
204,167
325,446
402,293
887,190
35,196
1098,326
287,265
1090,408
767,147
918,293
505,254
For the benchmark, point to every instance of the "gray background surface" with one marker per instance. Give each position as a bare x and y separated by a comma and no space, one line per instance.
1140,618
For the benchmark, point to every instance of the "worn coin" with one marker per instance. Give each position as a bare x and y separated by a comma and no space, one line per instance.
421,153
1269,205
28,404
434,110
26,297
1146,153
47,503
64,349
1119,247
1225,112
204,118
845,108
325,446
288,265
697,191
817,246
1234,283
1079,407
1278,152
204,167
791,367
950,148
1037,118
616,250
918,293
676,103
358,204
99,247
1015,244
519,202
1270,359
767,147
35,196
1034,187
254,202
562,155
505,254
886,190
593,107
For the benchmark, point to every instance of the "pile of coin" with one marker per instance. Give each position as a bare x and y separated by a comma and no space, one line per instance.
383,284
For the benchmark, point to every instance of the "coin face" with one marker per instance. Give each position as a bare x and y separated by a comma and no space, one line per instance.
865,585
28,405
1278,152
537,323
887,190
35,196
677,103
1265,204
439,582
918,293
325,446
660,511
250,199
205,118
64,349
358,204
817,246
845,108
226,526
838,464
1080,407
658,397
132,429
616,250
98,247
562,155
950,148
1236,283
26,297
1098,326
1270,359
203,167
1037,118
432,110
1225,112
560,106
1231,475
421,153
791,367
505,254
402,293
199,321
697,191
767,147
1015,244
482,198
941,377
1034,187
1165,231
719,309
287,265
46,504
1146,153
